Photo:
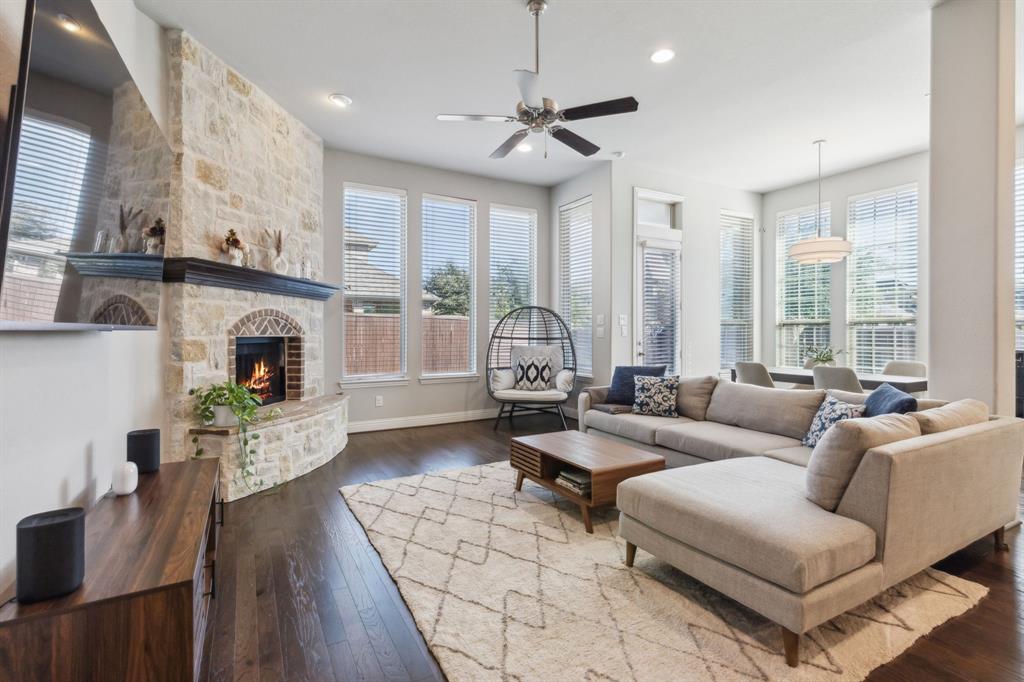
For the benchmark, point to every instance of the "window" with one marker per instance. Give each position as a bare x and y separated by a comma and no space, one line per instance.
881,281
45,207
513,259
373,242
575,225
449,245
802,291
736,271
1018,250
659,305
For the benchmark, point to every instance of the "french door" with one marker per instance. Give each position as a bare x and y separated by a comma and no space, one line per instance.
658,304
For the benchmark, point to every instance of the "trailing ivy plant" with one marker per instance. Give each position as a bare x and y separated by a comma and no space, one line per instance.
244,405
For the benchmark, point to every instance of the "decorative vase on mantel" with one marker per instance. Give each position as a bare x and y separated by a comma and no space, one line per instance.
280,264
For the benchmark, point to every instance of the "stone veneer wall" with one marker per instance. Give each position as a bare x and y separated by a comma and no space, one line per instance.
243,162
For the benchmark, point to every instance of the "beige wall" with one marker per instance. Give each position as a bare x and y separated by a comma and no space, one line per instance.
413,399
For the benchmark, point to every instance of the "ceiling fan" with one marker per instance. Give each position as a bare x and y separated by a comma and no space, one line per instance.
541,114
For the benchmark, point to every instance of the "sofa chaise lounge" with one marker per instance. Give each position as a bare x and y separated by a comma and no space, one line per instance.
742,523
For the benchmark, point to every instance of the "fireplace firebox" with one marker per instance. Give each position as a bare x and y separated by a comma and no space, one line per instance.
260,366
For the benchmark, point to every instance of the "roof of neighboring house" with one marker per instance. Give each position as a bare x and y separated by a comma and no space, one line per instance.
363,279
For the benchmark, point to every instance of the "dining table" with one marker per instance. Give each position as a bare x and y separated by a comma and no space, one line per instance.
869,380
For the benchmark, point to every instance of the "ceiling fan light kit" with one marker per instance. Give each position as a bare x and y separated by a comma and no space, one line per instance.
820,249
541,114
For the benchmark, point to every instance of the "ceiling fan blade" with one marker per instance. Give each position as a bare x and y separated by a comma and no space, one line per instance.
623,105
476,117
510,144
571,139
529,88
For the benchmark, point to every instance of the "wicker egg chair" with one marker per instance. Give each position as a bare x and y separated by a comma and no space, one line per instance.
530,326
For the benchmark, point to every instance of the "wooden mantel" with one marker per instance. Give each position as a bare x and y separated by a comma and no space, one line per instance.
213,274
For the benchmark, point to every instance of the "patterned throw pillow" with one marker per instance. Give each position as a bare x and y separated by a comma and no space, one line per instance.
830,412
656,396
533,374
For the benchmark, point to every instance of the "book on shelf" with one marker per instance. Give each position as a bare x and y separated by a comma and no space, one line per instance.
573,486
577,477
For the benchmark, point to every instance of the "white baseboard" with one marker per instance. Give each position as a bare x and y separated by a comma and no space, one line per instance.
421,420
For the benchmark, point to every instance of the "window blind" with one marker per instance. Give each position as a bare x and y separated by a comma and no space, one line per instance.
373,243
575,228
802,291
449,236
1018,250
45,207
660,306
736,272
881,281
513,258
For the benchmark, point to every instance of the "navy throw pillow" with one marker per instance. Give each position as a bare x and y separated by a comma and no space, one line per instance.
889,400
622,390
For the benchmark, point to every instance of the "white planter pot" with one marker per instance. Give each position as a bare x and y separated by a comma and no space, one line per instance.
223,416
125,478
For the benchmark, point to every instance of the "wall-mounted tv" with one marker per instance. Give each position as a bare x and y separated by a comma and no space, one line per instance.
84,181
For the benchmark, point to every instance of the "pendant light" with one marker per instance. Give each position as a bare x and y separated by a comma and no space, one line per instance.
819,249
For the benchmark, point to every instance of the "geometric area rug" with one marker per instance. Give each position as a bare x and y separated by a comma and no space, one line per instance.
509,586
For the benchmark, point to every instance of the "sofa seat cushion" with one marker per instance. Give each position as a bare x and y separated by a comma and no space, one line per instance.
799,455
711,440
520,396
638,427
750,513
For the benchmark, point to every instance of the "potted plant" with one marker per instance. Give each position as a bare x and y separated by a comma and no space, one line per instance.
820,355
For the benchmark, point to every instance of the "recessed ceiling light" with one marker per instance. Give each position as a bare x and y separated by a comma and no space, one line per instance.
525,147
69,23
339,100
663,55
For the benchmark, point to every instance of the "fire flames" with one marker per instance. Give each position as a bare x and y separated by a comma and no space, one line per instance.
259,381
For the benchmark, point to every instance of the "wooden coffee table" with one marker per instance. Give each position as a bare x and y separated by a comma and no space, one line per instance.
542,457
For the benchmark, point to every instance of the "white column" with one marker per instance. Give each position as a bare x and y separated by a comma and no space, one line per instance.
971,335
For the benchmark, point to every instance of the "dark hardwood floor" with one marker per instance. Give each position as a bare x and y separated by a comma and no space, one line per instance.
302,595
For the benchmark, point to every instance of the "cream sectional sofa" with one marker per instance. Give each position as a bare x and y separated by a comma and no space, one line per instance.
742,524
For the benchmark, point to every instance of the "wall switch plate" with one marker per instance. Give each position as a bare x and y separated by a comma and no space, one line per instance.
599,320
378,401
623,321
599,332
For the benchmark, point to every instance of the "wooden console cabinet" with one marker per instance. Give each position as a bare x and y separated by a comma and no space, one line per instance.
141,612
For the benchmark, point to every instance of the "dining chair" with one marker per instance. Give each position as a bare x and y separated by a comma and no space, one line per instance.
753,373
906,368
842,378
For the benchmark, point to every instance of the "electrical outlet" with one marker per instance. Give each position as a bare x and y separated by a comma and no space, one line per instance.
378,401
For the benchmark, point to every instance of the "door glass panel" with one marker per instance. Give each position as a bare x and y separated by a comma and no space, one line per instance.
660,307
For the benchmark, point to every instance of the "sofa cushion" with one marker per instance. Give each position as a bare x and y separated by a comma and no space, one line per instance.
638,427
798,454
694,395
888,399
751,513
655,396
772,410
712,440
622,389
952,416
838,454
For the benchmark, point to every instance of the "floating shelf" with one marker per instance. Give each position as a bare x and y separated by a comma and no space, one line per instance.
213,274
122,265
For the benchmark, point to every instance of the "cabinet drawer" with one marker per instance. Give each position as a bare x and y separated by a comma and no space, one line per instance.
525,459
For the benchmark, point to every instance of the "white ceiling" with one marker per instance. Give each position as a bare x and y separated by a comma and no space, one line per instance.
752,84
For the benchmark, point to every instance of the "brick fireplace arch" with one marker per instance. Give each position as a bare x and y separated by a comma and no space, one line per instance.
268,322
122,310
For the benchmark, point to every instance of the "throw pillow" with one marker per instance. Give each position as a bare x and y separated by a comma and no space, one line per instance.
622,390
533,374
830,412
952,416
837,455
887,399
502,379
694,396
564,380
552,352
655,396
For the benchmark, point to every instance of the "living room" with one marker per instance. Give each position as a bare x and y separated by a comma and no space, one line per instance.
511,340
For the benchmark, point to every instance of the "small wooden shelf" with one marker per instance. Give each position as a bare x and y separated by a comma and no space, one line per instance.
121,265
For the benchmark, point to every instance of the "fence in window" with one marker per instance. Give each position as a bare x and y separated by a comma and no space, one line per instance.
373,344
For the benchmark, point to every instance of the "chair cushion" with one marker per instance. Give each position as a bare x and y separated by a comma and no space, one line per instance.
694,395
622,389
516,395
952,416
799,455
638,427
888,399
711,440
751,513
838,454
502,379
655,396
772,410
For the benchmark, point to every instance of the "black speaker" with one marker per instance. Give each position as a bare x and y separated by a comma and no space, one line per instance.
144,450
51,554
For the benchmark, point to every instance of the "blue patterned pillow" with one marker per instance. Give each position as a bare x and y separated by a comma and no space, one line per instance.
830,412
655,396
